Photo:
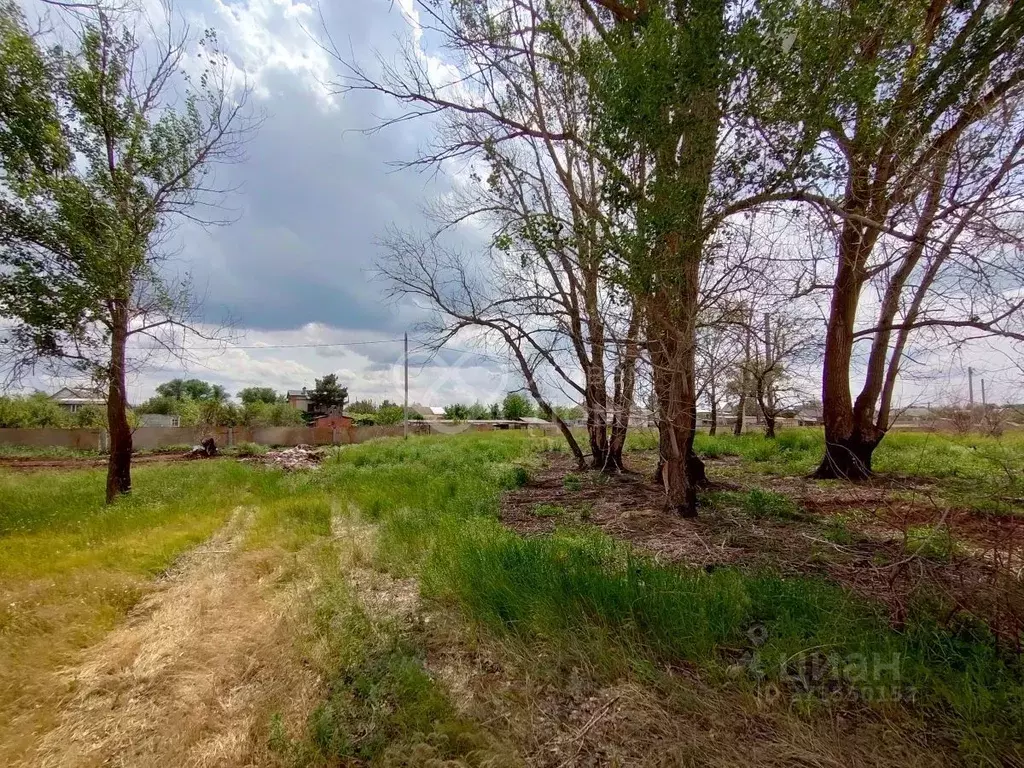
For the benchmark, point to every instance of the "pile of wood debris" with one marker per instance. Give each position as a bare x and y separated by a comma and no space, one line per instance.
299,457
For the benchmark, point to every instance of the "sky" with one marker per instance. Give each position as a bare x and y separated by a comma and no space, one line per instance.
293,272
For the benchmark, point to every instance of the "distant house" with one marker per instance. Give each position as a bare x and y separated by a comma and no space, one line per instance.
333,421
809,416
533,421
299,399
428,412
73,398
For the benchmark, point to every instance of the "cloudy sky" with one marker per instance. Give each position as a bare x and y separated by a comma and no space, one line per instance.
294,272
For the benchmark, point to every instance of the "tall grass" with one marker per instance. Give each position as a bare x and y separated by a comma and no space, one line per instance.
591,600
581,597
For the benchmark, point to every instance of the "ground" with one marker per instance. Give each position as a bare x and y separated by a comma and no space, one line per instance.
474,600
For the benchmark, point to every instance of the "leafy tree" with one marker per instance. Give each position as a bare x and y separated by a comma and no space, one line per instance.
277,414
96,160
362,406
27,412
389,413
251,395
456,412
516,406
194,389
328,395
569,412
479,411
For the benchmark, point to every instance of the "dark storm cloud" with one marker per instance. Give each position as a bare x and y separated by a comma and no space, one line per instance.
315,196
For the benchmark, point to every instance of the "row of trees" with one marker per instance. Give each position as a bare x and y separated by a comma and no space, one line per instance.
514,406
660,176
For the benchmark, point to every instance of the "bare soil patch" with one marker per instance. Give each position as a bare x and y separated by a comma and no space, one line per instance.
193,675
30,464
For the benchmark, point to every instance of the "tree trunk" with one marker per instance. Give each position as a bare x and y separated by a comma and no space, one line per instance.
119,466
713,429
625,386
769,426
848,444
672,361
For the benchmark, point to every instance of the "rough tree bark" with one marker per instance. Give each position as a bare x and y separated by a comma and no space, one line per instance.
119,465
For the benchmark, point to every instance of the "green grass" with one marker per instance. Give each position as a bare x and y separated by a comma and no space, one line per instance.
8,451
71,567
382,706
932,542
981,473
591,601
758,503
584,600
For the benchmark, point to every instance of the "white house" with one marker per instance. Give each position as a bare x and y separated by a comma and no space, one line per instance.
73,398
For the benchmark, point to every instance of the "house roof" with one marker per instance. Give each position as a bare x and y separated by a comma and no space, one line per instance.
79,395
298,392
533,420
427,410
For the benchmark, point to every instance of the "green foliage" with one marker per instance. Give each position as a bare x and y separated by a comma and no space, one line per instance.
328,395
265,395
362,406
569,412
838,531
36,410
191,389
389,414
479,411
250,449
932,542
517,406
572,483
547,510
456,412
759,503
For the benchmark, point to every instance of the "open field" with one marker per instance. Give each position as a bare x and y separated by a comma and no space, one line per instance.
473,600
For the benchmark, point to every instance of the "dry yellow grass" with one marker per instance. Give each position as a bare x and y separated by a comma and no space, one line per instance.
194,674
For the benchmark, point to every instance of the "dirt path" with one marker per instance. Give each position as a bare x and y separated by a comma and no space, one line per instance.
33,464
193,675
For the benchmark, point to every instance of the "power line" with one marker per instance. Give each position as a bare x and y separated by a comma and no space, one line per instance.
295,346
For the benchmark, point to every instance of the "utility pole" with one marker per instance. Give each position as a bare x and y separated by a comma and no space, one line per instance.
405,406
983,403
970,386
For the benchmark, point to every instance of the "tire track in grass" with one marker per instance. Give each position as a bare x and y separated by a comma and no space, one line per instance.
192,675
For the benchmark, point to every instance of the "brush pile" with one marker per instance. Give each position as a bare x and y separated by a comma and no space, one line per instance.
299,457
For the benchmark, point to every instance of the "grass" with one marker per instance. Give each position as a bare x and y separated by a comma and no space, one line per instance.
8,451
581,599
981,473
932,542
70,568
